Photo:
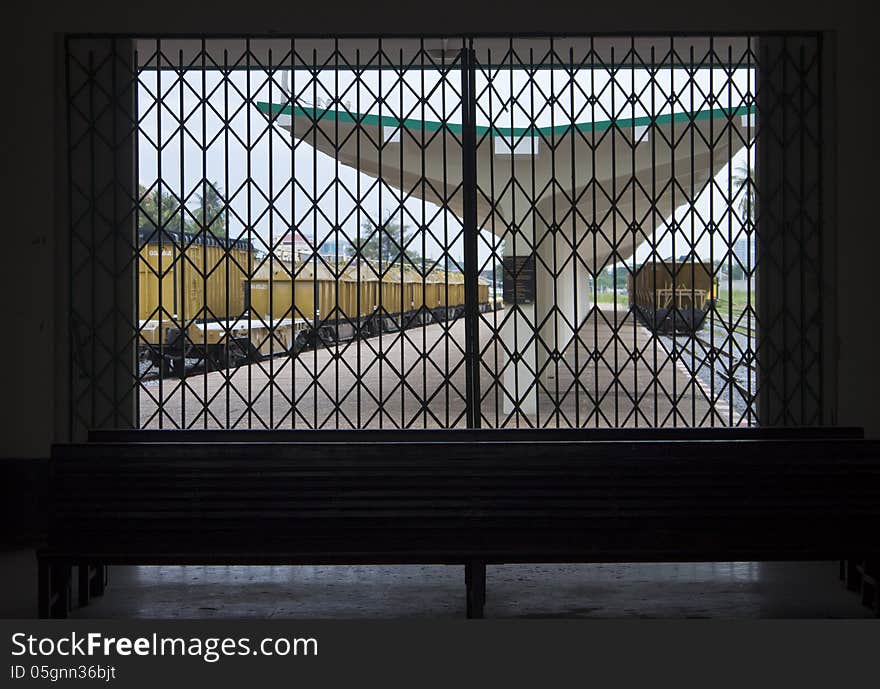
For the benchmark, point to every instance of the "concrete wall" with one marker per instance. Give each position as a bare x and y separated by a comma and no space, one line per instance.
33,376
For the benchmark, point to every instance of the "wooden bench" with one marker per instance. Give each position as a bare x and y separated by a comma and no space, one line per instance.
458,497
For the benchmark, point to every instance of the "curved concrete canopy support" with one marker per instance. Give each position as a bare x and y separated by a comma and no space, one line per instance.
536,334
583,178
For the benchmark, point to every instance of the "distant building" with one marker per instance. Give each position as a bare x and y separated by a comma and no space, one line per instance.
296,244
744,252
292,244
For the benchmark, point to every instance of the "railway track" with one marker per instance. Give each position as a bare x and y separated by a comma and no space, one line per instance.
727,371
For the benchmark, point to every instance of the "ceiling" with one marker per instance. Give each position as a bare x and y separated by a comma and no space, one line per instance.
329,52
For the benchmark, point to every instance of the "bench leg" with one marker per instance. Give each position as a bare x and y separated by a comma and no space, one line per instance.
852,576
870,586
84,571
92,581
53,595
475,584
60,580
99,580
44,590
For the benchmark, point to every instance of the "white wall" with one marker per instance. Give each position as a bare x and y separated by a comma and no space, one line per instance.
32,375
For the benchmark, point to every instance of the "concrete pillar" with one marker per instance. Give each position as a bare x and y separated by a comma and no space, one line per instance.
537,331
563,300
518,327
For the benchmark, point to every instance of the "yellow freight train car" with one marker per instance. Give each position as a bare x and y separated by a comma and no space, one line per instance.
302,292
210,299
184,277
284,290
672,296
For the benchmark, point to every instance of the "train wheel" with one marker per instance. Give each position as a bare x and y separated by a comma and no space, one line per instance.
300,342
176,367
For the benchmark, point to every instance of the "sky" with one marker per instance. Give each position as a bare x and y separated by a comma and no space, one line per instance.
183,140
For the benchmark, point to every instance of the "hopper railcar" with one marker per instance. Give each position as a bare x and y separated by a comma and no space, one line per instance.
672,297
192,299
210,300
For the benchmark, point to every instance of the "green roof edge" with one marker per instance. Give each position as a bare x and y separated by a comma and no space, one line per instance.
559,130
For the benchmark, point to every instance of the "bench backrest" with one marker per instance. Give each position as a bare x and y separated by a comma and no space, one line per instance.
540,500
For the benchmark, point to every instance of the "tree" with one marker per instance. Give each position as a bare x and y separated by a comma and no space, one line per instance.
387,245
745,182
210,208
149,216
605,279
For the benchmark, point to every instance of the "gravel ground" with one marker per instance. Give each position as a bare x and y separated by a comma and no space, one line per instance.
714,373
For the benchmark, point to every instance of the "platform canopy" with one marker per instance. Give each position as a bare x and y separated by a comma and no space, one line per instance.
612,182
577,196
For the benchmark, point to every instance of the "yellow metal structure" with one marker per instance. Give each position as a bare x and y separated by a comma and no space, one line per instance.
655,286
196,279
282,290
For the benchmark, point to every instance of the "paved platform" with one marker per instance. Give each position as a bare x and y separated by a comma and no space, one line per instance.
615,374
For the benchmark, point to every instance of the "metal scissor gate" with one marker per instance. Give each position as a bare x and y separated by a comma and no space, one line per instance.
455,231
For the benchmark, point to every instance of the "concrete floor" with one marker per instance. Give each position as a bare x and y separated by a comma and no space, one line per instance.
615,374
700,590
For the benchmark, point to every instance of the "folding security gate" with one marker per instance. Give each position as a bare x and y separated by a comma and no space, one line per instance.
511,231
